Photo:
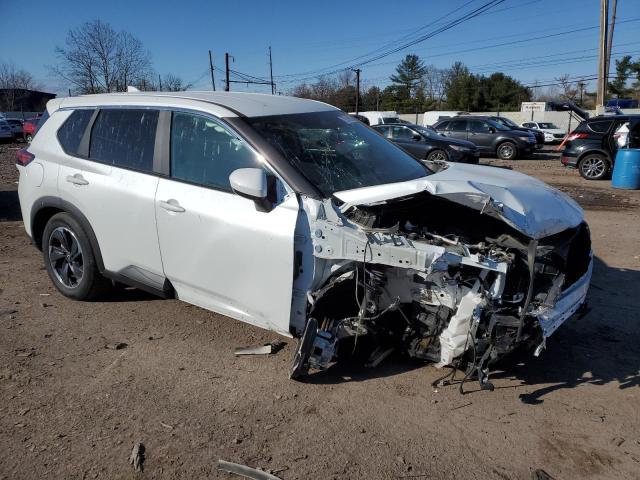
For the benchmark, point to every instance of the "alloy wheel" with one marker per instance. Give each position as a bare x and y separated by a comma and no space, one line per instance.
593,167
438,156
506,151
65,257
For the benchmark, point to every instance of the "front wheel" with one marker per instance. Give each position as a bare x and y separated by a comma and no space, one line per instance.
437,156
69,259
507,151
593,167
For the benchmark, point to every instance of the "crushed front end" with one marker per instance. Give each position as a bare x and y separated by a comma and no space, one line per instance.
433,278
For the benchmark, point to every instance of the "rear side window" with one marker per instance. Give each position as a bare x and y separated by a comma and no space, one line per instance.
600,127
124,138
443,125
205,152
71,132
458,125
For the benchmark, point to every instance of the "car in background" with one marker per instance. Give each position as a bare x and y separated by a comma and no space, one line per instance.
425,143
434,116
490,137
362,118
551,132
592,146
30,127
376,118
6,133
16,127
507,122
623,103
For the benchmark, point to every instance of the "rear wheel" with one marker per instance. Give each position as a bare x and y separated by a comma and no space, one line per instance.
594,167
69,259
28,137
507,151
437,156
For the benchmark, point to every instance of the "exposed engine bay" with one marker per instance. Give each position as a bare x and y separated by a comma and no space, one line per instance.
436,280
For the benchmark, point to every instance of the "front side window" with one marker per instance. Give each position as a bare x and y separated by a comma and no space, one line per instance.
205,152
547,125
124,138
336,152
72,130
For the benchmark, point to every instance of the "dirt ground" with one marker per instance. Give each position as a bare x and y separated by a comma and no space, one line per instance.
71,408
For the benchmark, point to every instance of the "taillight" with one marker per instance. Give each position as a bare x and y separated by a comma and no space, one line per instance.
23,157
576,136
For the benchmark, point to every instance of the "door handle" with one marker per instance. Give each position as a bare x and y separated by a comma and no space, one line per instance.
171,205
77,179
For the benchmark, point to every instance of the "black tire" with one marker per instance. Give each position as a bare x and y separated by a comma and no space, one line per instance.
70,260
594,166
507,151
28,137
437,155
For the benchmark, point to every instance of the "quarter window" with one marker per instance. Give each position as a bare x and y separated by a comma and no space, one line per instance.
71,133
205,152
600,127
124,138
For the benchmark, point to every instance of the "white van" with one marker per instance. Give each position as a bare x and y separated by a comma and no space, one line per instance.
376,118
430,118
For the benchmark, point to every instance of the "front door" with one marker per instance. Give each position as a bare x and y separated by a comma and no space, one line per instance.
219,250
408,140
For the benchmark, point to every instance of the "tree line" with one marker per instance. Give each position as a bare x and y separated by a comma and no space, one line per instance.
416,87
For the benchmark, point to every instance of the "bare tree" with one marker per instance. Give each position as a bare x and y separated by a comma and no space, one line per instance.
173,83
98,59
569,89
12,80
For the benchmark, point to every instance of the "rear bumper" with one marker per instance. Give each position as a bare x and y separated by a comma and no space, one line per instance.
569,160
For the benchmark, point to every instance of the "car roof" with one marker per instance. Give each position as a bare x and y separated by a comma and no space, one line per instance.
239,103
614,117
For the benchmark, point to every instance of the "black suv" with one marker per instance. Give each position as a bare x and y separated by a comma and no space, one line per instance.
426,143
489,136
592,146
539,134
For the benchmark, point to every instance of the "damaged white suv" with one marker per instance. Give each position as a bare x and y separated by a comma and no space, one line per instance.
293,216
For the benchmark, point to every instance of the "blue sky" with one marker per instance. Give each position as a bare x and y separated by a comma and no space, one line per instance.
310,36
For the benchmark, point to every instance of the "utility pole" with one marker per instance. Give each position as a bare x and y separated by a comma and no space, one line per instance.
226,62
357,70
612,25
581,86
160,82
273,86
213,81
602,64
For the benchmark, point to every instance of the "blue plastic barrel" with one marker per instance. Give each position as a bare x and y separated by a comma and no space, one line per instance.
626,169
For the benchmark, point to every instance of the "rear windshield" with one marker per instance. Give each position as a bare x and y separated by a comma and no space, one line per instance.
337,152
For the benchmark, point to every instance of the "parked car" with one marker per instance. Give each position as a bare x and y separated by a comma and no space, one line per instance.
362,118
592,146
293,216
504,121
426,143
30,127
6,133
490,137
431,118
16,127
376,118
551,132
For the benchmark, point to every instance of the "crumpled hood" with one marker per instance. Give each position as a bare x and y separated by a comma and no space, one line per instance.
527,204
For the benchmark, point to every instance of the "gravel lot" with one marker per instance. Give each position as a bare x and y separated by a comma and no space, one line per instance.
71,408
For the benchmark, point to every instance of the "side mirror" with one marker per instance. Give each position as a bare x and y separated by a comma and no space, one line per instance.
250,183
417,136
492,129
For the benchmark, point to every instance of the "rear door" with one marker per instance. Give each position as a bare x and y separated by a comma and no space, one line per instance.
457,129
481,134
109,176
220,250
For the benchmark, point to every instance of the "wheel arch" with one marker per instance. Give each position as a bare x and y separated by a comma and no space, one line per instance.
47,207
598,151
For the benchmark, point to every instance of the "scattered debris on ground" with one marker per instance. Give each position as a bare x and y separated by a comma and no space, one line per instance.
116,345
266,349
137,457
244,471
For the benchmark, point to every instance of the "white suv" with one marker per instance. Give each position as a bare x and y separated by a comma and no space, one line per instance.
293,216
